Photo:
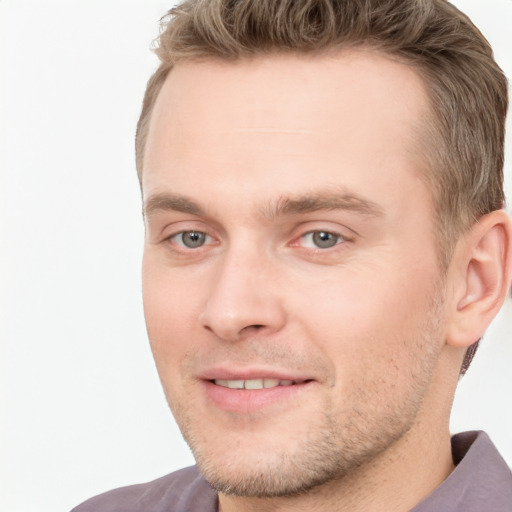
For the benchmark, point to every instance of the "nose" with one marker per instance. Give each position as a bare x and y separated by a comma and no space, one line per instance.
243,298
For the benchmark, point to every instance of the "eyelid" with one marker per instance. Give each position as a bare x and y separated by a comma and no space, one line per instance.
169,229
309,228
338,236
173,239
168,234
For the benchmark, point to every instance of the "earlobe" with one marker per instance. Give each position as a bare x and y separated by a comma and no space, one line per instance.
482,264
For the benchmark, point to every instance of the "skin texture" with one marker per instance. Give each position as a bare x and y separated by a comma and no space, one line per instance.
260,156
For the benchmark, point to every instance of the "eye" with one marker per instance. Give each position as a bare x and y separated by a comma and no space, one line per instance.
321,239
190,239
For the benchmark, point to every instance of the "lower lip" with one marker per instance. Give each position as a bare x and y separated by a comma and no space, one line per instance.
251,400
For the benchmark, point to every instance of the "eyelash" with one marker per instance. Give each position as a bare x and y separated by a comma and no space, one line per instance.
329,236
174,237
338,239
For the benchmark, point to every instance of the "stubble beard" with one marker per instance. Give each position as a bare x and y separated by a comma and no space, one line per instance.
332,447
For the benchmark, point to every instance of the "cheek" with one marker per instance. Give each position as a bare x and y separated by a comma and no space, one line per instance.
170,310
368,321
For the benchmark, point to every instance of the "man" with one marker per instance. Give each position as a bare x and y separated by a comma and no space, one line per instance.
325,244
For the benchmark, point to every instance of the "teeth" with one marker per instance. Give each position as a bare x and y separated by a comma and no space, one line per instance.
270,383
253,383
236,384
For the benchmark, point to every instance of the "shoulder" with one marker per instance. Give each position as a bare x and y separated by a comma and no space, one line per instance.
184,490
480,481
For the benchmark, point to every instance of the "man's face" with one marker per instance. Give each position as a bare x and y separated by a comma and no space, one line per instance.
291,287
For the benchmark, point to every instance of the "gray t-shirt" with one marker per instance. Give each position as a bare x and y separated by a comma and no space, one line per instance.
481,482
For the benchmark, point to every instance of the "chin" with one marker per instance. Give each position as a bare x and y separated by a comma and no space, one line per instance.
268,474
261,464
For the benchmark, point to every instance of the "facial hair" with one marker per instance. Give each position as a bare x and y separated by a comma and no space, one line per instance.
331,446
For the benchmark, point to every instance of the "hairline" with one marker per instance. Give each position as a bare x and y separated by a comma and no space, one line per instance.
427,144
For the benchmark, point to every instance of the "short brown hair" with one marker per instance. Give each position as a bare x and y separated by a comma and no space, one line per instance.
464,140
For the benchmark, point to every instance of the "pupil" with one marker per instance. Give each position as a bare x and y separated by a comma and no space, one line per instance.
193,239
324,240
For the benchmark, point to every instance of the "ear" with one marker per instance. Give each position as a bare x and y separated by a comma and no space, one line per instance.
480,274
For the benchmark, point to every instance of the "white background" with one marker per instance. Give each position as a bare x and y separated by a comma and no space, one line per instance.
81,405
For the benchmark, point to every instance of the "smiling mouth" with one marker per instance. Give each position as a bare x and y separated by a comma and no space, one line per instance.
253,384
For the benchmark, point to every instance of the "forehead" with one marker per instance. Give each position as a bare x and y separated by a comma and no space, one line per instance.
271,124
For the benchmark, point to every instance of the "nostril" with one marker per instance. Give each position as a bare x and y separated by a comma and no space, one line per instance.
253,327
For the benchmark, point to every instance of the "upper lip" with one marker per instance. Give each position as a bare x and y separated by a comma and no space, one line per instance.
233,373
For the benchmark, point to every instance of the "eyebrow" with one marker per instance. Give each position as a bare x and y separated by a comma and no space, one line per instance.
283,206
317,201
170,202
